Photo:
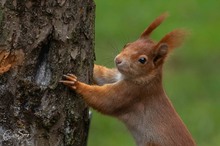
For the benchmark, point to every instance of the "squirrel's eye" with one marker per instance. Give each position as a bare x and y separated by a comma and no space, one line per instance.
142,60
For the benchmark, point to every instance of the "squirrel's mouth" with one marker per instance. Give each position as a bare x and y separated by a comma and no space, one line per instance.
121,64
122,68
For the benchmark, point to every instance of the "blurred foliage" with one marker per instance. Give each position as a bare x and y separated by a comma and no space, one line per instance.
191,74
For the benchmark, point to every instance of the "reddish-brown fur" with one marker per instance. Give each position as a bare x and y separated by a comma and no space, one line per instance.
10,59
134,94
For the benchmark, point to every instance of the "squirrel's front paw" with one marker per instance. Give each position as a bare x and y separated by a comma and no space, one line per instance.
70,81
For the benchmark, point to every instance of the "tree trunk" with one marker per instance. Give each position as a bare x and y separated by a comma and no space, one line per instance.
40,40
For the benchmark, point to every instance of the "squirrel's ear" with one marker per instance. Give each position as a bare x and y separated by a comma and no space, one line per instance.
160,53
170,41
147,32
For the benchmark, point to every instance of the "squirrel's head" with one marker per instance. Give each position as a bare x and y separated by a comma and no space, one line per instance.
144,57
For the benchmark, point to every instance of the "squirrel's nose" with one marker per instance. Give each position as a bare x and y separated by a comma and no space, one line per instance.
118,61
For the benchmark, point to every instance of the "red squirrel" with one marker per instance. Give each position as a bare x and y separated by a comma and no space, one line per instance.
133,91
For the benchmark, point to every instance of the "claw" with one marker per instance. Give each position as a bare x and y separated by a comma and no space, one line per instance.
72,75
69,83
71,78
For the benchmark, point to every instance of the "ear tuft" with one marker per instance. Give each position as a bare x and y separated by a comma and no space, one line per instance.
174,39
153,25
167,43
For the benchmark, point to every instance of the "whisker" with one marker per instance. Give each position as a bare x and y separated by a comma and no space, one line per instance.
114,46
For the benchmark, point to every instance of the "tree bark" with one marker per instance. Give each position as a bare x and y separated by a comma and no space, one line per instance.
40,40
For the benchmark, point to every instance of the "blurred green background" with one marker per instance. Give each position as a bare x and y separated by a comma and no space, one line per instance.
191,74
